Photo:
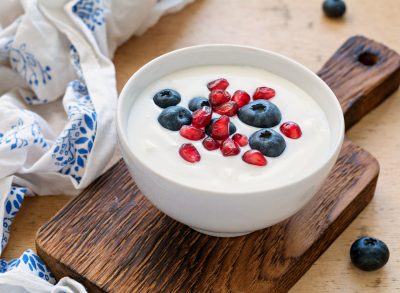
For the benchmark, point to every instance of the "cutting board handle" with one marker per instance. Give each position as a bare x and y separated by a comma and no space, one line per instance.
362,73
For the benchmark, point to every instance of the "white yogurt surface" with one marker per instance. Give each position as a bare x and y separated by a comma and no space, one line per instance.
158,147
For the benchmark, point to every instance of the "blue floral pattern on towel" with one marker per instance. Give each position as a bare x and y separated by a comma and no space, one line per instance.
11,207
74,145
76,61
30,97
29,67
91,12
5,47
34,100
22,135
28,261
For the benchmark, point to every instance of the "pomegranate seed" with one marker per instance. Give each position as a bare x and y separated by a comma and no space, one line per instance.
191,132
229,148
254,157
240,139
241,98
263,93
219,97
229,109
291,129
210,144
189,153
201,117
218,84
220,128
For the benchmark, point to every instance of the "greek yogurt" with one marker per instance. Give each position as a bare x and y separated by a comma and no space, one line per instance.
158,147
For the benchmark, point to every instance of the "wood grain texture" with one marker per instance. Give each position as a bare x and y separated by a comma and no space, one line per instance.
362,73
298,30
112,239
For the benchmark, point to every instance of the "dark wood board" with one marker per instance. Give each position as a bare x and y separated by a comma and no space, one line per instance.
112,239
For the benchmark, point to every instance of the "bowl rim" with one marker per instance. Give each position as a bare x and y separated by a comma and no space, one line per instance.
124,144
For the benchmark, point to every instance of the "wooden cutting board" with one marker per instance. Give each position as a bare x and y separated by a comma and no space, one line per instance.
112,239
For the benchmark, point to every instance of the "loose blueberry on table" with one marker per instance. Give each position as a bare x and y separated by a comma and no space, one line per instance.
369,254
218,132
334,8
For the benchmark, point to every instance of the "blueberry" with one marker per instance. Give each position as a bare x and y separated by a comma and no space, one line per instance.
369,254
167,98
174,117
334,8
268,141
260,113
197,103
232,127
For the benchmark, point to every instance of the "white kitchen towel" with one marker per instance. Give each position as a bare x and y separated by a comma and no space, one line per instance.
57,104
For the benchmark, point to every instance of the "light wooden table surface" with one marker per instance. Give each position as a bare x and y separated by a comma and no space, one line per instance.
299,30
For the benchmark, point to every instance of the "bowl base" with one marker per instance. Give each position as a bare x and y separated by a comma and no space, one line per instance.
221,234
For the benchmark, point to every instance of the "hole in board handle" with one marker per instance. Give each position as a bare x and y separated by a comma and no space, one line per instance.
368,58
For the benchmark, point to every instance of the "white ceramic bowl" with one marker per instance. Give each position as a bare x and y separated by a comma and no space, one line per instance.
224,214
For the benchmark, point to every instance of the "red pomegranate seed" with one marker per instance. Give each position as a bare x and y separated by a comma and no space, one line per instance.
229,148
291,129
240,139
220,128
210,144
202,117
229,109
219,97
263,93
191,132
254,157
241,98
189,153
218,84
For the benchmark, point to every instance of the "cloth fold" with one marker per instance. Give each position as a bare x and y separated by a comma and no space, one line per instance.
57,104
